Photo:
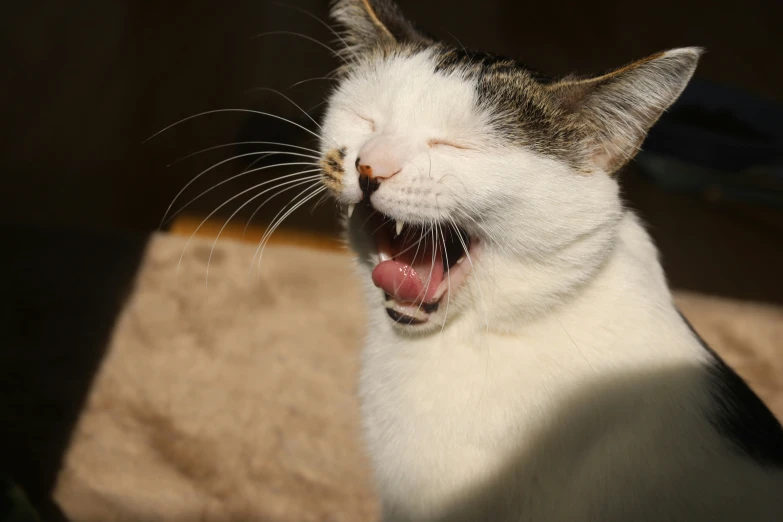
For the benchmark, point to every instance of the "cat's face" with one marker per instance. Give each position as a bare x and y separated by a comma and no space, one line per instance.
467,180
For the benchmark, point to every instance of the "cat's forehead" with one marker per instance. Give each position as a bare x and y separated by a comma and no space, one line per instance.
412,87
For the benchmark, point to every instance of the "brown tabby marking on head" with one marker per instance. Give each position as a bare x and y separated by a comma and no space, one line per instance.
333,169
371,24
524,112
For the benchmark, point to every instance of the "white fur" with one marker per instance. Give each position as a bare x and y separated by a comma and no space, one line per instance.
564,385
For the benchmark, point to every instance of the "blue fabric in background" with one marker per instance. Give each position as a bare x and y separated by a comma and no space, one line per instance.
720,142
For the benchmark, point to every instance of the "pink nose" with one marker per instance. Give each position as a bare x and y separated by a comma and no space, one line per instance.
379,159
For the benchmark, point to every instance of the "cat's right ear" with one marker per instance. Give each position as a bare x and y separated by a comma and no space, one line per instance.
368,24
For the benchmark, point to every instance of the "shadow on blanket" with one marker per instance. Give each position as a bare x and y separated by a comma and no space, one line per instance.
62,293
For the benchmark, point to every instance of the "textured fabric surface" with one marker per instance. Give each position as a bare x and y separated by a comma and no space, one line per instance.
234,401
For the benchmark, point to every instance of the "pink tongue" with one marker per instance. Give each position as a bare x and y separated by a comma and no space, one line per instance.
406,278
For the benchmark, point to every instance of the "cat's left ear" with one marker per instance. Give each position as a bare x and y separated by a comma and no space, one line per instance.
368,24
617,109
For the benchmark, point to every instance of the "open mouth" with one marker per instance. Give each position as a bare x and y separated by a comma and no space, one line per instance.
417,265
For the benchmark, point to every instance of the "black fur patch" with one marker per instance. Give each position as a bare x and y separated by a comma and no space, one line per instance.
401,318
740,416
368,186
479,61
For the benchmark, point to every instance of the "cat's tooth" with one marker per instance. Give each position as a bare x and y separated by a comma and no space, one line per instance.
350,210
400,224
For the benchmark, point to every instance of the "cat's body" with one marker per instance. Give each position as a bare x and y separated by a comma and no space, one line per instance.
546,376
598,411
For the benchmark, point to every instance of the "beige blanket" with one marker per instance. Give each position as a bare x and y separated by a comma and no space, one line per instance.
234,401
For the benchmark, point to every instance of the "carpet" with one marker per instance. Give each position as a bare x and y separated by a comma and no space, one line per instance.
233,399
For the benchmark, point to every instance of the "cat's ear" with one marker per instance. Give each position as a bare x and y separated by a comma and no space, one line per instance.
367,24
618,108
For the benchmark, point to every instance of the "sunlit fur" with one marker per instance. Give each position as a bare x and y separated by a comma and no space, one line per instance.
560,383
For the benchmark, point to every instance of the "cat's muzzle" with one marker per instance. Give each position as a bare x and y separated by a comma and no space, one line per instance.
415,265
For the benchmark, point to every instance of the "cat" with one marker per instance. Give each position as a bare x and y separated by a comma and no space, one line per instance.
524,359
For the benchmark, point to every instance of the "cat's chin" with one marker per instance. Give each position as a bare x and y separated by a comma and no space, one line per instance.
418,268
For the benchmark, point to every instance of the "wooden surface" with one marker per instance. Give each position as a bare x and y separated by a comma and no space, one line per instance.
192,225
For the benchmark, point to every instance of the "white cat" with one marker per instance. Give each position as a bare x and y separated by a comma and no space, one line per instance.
524,358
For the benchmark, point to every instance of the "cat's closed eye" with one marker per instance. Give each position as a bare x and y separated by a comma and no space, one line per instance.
434,142
366,121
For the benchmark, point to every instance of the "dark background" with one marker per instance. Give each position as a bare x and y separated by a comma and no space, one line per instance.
85,82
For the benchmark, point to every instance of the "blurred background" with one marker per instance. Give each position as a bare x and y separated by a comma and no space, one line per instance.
85,83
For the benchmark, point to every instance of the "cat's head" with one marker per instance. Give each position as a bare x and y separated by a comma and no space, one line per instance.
470,183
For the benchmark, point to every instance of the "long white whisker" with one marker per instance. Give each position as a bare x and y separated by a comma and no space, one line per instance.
311,109
370,217
455,38
320,21
489,236
416,244
320,200
473,269
296,182
259,207
448,277
237,143
244,173
422,237
576,345
272,224
229,200
300,35
407,275
279,221
297,84
433,232
254,162
388,220
292,102
247,111
484,305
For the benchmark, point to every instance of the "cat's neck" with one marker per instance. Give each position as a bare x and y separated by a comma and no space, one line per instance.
619,327
624,316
